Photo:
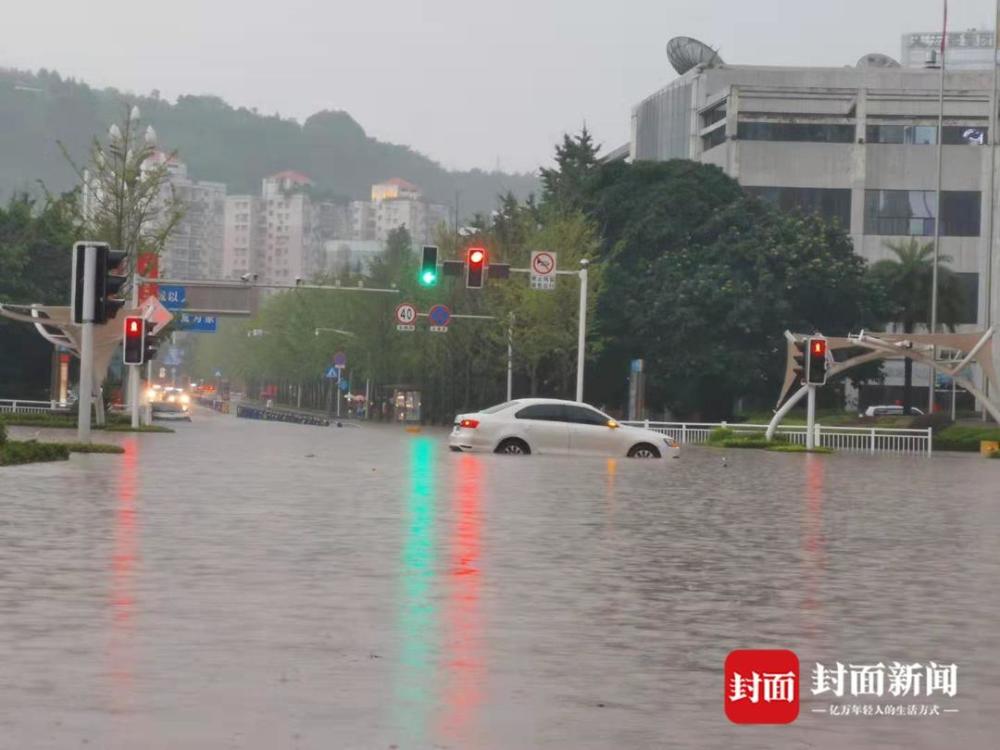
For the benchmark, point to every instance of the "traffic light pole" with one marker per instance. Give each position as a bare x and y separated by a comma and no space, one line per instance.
811,419
87,343
133,370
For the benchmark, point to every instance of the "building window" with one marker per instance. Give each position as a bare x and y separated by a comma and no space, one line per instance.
911,212
964,135
833,204
969,283
795,131
920,135
926,135
713,115
715,138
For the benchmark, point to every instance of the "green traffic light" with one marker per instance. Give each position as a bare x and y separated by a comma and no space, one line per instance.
429,278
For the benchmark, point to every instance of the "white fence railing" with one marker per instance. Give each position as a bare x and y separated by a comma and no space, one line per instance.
867,439
25,406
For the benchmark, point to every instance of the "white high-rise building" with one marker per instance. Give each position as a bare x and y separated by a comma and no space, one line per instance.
194,249
397,203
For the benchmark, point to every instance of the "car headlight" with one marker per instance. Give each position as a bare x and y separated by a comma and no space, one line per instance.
185,399
671,443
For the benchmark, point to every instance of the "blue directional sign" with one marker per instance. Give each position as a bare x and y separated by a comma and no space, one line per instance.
345,385
174,358
173,297
439,315
332,373
197,323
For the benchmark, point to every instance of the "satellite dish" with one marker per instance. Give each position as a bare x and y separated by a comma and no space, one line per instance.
685,53
877,60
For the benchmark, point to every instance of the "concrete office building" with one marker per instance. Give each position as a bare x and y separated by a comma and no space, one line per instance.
856,144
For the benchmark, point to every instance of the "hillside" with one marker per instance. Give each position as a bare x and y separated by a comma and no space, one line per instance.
220,143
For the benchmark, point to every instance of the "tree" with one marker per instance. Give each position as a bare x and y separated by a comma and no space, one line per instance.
127,199
566,188
908,280
35,245
701,281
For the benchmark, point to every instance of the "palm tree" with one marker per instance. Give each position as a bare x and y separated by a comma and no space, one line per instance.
907,279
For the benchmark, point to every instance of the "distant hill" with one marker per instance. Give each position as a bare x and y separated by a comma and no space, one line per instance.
218,142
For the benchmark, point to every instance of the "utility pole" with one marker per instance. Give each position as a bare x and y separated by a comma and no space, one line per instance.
510,356
581,344
991,136
87,343
937,210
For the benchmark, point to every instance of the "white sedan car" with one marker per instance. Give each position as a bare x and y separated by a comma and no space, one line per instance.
546,425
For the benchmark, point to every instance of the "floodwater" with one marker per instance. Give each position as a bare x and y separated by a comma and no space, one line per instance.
258,585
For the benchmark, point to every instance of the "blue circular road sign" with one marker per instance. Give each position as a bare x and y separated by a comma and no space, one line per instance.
439,315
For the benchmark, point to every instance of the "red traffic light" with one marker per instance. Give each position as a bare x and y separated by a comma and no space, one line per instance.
133,327
477,255
818,347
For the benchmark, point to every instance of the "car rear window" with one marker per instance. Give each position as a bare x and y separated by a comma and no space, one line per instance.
499,407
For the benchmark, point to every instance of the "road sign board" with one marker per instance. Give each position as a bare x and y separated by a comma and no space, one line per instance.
406,316
339,359
157,315
197,323
175,357
332,373
439,316
543,270
173,297
345,384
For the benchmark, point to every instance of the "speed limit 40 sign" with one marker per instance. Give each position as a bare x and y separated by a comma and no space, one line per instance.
406,317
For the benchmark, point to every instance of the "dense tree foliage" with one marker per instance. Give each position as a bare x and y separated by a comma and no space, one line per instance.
221,143
35,246
701,281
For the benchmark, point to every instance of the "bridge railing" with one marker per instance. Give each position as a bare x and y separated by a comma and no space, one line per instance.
866,439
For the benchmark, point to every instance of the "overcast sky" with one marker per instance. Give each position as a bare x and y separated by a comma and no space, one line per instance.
467,82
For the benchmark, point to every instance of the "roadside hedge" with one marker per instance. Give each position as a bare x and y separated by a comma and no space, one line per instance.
964,438
14,452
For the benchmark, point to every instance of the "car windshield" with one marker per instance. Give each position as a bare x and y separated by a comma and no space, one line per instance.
499,407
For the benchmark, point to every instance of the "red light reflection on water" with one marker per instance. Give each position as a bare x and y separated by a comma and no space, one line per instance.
463,626
124,554
813,544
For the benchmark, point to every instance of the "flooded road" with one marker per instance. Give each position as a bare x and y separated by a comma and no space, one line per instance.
258,585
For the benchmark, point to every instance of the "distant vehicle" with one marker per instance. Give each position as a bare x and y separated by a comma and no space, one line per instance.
170,403
546,425
890,410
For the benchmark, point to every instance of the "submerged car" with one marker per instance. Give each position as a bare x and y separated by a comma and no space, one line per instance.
546,425
170,403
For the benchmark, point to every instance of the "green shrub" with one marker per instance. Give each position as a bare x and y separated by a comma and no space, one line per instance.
16,452
938,422
3,433
92,447
964,437
796,448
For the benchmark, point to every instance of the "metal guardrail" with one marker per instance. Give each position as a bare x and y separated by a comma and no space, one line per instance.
866,439
26,406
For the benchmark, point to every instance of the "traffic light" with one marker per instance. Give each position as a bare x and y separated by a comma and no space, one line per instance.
799,360
108,281
111,277
151,347
816,368
475,267
429,266
134,348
